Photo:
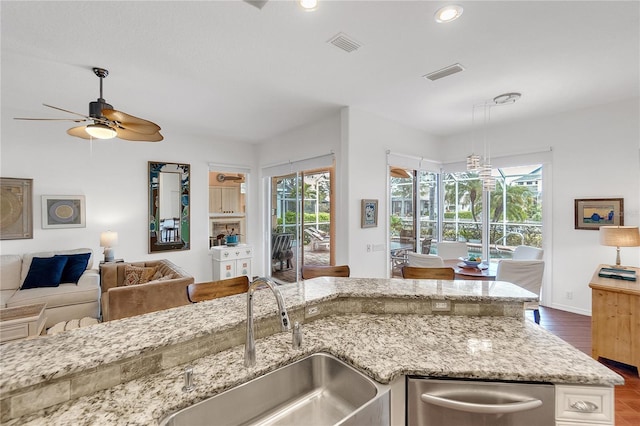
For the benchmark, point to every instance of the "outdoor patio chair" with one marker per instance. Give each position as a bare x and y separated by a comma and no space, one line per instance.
318,238
281,250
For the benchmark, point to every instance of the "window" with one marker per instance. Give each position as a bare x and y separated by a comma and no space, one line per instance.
515,209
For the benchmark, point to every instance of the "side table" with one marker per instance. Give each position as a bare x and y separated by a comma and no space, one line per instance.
615,323
21,322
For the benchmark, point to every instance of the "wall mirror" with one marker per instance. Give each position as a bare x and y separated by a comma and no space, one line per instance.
169,218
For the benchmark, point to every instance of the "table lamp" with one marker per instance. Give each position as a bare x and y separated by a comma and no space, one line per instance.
108,240
619,236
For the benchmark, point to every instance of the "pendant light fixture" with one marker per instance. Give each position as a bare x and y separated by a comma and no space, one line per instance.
473,160
482,165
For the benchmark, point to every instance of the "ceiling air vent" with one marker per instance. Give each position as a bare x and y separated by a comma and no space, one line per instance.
344,42
444,72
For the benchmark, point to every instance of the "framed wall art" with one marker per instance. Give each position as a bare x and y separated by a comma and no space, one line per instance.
592,213
369,214
16,208
63,211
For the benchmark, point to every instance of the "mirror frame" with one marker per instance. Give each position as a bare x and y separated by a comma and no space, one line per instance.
154,170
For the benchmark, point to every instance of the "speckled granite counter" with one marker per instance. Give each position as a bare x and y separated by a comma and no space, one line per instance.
382,345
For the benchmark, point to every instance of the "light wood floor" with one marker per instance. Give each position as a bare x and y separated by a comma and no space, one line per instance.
576,330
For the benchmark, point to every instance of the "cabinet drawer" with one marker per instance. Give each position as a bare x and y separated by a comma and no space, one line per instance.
230,253
584,404
13,332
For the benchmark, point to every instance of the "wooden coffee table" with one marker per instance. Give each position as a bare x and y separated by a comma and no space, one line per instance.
21,322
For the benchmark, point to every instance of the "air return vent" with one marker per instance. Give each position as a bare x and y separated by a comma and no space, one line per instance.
344,42
444,72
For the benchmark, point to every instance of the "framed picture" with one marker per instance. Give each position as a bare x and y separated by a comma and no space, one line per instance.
369,215
16,208
63,211
592,213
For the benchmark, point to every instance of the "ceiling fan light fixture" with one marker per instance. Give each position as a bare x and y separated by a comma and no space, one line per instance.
100,131
448,13
308,5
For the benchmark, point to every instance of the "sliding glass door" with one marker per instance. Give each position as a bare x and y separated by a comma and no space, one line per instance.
301,226
413,224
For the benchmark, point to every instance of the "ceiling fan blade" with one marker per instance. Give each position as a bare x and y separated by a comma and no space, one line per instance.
76,120
79,132
66,110
130,122
129,135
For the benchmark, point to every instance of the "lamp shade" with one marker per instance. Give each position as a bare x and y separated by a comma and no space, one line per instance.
620,236
108,239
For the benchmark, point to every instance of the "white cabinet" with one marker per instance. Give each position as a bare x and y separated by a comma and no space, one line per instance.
224,200
229,262
580,405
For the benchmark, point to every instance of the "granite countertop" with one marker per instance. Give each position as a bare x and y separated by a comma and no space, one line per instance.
29,362
382,346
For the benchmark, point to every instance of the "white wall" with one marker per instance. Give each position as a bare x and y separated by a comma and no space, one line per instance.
595,155
112,175
308,141
368,138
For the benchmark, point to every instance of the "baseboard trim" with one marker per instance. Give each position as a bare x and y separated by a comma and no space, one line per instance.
571,309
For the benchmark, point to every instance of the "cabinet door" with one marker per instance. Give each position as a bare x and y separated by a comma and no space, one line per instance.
243,267
230,200
224,269
215,200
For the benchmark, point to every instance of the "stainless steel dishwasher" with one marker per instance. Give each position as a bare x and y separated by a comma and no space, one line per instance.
452,402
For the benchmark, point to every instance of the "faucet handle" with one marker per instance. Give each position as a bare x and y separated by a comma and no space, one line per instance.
297,336
188,379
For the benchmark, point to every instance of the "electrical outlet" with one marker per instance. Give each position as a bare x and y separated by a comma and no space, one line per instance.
440,305
368,248
569,295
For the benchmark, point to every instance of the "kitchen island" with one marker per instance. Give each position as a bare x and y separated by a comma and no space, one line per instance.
130,371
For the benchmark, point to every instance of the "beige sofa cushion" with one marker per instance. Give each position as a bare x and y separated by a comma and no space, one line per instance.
87,290
10,270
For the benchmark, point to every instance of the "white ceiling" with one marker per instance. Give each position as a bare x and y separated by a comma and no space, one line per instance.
225,69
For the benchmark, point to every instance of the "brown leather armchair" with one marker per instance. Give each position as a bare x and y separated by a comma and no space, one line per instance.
122,301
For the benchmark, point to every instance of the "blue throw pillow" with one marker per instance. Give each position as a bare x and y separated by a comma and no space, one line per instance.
76,265
44,272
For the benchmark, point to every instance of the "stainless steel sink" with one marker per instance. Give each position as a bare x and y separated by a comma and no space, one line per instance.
317,390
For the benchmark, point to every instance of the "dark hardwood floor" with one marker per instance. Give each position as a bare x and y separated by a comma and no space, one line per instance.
576,330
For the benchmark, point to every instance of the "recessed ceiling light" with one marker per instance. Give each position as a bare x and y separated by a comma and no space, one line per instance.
308,5
448,13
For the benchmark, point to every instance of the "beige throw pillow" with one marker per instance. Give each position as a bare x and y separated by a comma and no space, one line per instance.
138,274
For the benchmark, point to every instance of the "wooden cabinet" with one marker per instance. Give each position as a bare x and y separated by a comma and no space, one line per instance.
224,199
615,319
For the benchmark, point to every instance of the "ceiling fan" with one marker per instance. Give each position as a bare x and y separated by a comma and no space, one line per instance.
106,122
222,178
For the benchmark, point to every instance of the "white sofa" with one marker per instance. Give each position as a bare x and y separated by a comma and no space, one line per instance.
64,302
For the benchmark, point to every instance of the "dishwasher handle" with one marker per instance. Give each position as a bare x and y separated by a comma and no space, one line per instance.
472,407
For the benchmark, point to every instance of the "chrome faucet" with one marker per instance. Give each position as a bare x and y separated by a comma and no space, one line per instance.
250,344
